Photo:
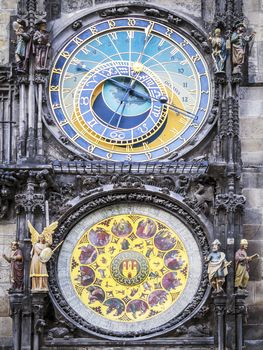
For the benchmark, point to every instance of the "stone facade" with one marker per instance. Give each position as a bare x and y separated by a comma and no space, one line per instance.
8,8
62,190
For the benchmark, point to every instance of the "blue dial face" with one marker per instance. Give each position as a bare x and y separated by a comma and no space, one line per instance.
129,89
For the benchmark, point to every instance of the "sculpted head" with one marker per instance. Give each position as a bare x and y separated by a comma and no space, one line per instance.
241,28
216,245
217,32
42,239
243,244
14,245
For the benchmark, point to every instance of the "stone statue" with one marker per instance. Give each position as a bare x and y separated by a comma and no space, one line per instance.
17,266
41,45
40,254
239,41
217,267
22,41
219,52
242,266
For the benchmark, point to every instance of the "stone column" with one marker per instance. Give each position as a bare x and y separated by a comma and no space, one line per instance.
220,308
16,300
241,311
38,307
40,79
23,82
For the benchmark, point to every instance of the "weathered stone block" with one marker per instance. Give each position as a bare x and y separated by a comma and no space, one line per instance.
6,326
252,127
259,292
252,157
253,216
253,231
4,304
255,271
253,331
254,197
252,179
251,293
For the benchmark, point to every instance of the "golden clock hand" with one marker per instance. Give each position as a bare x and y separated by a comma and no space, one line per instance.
137,66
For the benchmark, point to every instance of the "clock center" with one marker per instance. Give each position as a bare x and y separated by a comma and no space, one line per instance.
127,94
129,268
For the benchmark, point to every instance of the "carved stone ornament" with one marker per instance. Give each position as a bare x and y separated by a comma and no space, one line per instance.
121,198
119,11
230,202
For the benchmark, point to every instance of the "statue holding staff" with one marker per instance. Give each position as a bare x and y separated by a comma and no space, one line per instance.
17,266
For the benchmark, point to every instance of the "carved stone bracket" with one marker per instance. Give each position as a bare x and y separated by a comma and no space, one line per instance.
95,202
32,194
230,202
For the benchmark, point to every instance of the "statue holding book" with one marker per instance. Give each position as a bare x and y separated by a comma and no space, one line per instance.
242,266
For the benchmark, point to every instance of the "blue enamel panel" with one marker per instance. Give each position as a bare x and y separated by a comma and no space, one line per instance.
69,130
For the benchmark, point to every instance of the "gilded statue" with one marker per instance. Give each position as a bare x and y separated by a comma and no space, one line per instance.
40,254
242,266
219,52
239,41
217,267
17,266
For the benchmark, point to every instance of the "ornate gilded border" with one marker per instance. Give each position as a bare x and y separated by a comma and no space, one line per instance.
100,200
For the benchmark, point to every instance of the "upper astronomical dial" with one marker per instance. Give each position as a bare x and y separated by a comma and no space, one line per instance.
129,89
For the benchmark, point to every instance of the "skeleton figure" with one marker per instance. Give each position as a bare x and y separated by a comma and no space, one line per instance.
218,49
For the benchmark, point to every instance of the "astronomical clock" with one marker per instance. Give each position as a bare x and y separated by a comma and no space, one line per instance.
129,89
120,134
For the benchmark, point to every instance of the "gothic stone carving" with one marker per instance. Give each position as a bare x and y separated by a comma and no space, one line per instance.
230,202
201,194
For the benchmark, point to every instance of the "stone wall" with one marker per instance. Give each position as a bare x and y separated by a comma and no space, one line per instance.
253,10
251,133
7,229
8,8
7,235
251,130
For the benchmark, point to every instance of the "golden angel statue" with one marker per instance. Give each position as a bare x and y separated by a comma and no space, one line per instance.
40,254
